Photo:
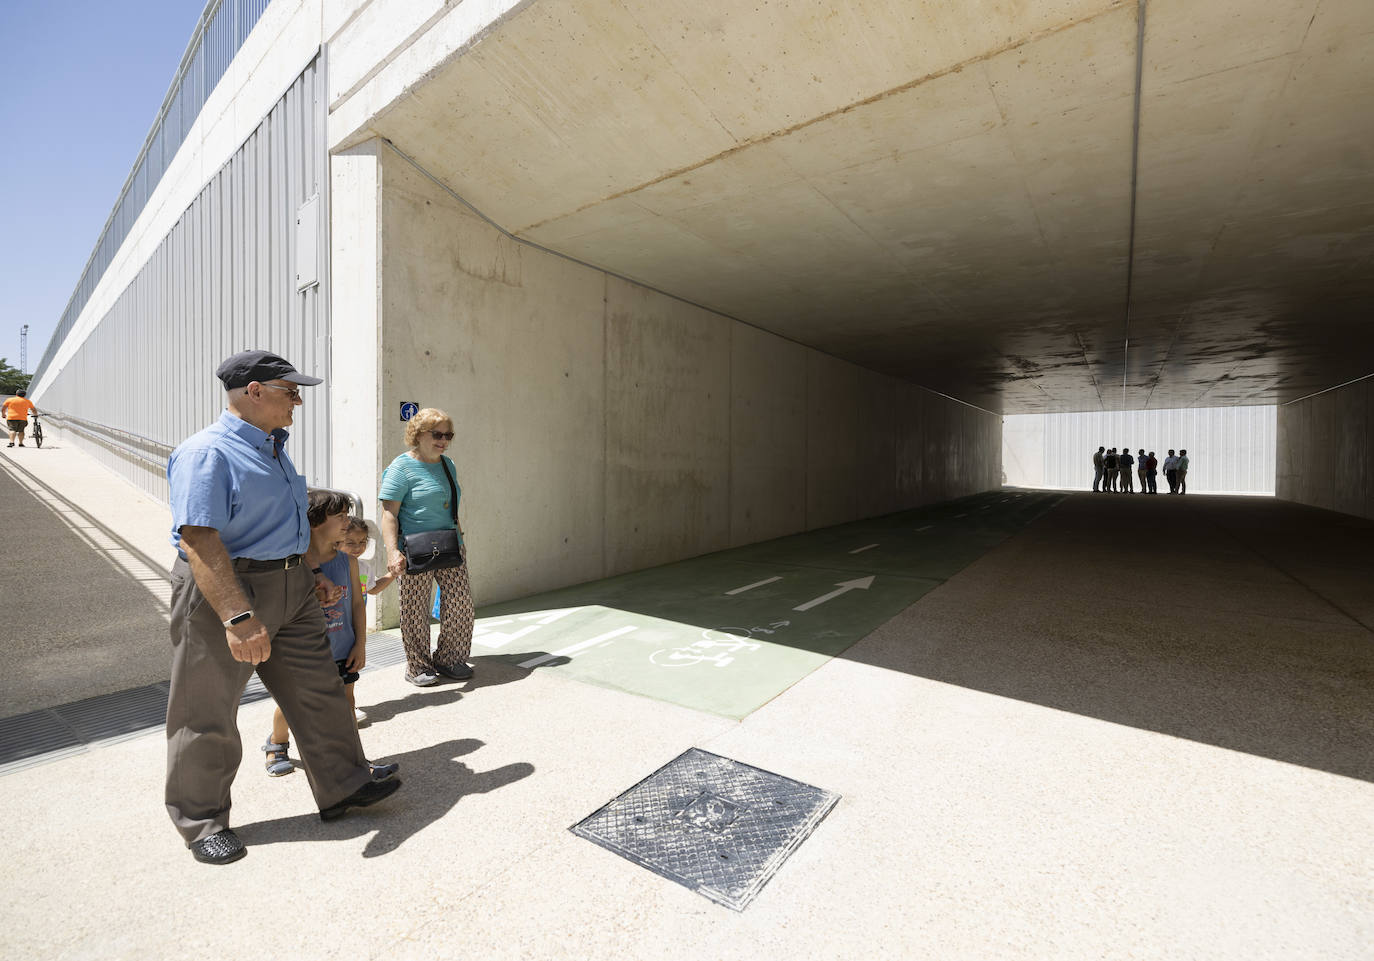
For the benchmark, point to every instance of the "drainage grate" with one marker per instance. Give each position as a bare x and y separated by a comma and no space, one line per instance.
117,716
717,826
27,740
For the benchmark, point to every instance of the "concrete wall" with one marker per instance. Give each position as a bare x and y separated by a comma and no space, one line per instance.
1326,449
602,426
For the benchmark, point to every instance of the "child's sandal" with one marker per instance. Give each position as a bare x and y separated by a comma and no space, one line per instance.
278,763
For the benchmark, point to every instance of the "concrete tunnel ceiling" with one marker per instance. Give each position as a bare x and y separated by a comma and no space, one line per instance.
943,192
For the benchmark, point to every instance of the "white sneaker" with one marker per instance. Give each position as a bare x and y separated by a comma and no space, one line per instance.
360,716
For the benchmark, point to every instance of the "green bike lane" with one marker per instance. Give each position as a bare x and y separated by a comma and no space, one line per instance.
727,632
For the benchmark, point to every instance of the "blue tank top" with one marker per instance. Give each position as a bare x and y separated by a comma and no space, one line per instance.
338,617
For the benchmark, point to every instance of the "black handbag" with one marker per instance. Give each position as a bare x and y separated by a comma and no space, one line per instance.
435,550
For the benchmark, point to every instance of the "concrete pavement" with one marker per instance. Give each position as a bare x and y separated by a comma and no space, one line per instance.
1030,768
86,609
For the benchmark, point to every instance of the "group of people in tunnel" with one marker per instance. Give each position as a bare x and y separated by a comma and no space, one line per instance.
1112,471
268,580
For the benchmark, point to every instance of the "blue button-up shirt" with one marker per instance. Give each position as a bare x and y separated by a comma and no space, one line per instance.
237,479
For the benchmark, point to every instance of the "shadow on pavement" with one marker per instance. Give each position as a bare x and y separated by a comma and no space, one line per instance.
384,711
433,782
1237,622
487,673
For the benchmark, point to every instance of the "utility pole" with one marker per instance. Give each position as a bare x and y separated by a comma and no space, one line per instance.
24,349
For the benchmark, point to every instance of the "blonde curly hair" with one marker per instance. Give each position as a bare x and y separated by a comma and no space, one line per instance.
426,420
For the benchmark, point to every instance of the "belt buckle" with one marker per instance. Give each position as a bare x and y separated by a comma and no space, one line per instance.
287,565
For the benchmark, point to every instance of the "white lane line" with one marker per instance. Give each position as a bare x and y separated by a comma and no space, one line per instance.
961,515
926,528
859,584
576,648
750,587
862,549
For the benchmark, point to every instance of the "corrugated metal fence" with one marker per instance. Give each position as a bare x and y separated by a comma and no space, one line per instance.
1230,449
219,34
224,279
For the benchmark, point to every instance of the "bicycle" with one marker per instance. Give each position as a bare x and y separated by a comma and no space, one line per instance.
37,432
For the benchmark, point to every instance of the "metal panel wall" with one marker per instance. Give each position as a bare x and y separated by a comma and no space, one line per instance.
223,27
1230,449
222,280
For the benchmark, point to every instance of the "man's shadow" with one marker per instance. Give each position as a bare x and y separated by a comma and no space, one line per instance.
433,782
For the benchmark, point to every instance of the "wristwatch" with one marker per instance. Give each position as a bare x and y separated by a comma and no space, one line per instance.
238,618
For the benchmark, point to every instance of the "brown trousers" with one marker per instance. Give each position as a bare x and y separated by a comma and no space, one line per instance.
203,746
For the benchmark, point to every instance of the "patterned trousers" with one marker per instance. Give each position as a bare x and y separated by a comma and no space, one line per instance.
455,618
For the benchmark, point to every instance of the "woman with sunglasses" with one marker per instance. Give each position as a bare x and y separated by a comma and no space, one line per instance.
419,493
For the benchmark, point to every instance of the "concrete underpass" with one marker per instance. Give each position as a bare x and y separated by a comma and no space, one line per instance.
728,304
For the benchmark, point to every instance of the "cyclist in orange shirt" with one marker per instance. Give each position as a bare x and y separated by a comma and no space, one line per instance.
17,410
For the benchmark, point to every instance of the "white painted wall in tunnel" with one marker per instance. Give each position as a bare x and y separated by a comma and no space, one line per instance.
605,427
1230,449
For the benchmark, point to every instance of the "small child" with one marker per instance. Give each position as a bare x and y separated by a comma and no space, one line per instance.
355,542
345,618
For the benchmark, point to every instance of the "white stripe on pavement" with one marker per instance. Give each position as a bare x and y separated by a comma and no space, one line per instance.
750,587
576,648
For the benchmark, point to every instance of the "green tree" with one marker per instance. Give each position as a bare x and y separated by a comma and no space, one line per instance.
10,378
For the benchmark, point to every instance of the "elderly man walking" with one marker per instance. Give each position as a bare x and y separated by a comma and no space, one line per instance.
243,600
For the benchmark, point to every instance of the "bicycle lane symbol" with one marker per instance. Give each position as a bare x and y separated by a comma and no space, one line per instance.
717,647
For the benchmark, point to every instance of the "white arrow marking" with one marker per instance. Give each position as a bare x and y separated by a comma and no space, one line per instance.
750,587
926,528
862,584
862,549
576,648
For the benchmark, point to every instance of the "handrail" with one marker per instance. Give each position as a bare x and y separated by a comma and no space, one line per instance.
219,34
95,431
103,434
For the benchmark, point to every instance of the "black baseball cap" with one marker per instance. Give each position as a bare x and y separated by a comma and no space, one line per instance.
249,365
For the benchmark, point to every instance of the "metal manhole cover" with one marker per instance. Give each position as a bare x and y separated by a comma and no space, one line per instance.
717,826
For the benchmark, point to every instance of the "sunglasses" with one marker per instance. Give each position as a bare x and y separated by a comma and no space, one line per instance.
441,434
291,392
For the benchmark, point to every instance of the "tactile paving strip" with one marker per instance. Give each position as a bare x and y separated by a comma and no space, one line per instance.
717,826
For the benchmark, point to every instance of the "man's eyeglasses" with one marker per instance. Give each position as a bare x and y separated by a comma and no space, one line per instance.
441,434
292,392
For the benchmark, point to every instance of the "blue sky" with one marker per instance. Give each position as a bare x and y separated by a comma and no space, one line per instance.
80,84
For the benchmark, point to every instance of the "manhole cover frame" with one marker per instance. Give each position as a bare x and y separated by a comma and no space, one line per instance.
705,818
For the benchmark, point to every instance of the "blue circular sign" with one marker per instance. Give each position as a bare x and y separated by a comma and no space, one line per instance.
409,410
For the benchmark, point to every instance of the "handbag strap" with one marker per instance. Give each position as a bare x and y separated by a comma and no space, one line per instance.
452,489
